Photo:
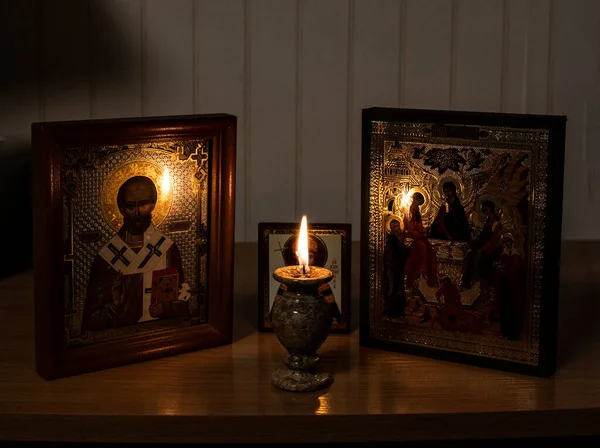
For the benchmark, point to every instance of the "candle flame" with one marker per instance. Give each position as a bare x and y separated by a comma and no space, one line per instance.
165,183
302,252
405,200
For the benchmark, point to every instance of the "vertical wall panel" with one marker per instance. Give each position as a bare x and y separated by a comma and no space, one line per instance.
167,67
271,150
575,68
219,78
220,56
116,70
538,62
19,93
299,100
478,58
65,54
525,56
324,78
427,63
514,56
591,158
376,79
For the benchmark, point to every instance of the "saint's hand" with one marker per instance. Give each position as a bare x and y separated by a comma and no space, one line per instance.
117,292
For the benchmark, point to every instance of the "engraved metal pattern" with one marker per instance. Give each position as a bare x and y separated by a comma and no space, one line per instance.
376,241
382,183
539,225
90,167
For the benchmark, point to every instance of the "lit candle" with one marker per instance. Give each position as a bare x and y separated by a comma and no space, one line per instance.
302,249
301,318
303,273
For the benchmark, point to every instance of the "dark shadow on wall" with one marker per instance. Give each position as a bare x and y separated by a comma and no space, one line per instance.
47,46
16,222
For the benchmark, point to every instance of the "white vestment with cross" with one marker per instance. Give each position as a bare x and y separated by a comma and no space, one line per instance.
152,256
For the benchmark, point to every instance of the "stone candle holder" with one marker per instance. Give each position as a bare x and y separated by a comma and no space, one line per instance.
301,320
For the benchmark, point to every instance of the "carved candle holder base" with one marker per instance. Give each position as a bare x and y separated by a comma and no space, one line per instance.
301,320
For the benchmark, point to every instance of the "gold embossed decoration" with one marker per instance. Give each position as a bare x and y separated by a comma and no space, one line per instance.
179,171
387,221
108,195
453,297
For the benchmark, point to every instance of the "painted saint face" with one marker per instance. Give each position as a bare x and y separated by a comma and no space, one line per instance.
417,200
448,193
137,207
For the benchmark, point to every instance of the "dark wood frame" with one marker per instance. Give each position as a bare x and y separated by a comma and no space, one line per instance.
552,239
264,273
53,358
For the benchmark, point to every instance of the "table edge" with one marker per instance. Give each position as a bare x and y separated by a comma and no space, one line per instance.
307,428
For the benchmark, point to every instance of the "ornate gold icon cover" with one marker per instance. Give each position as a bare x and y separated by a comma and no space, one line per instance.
135,220
456,237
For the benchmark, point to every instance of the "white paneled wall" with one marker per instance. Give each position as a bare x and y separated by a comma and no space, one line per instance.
297,74
428,73
374,80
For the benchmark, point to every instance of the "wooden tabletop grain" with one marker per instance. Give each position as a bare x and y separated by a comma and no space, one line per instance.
225,394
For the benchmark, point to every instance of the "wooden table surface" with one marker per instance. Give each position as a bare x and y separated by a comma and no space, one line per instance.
225,394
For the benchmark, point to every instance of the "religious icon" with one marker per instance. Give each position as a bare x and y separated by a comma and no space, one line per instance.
139,259
328,247
456,218
134,232
121,282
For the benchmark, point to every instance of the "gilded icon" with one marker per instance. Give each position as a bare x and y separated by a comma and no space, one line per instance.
456,218
133,239
135,244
